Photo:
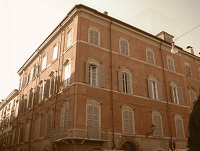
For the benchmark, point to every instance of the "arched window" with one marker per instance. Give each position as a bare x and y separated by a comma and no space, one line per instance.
179,126
128,122
64,115
154,88
124,46
192,94
188,70
49,122
93,115
177,93
94,36
170,63
157,121
37,126
150,56
125,80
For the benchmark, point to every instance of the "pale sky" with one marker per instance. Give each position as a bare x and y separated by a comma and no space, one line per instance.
26,23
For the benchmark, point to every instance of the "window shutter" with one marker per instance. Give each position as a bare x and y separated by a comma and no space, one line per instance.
96,38
159,91
37,95
96,117
157,123
47,87
128,83
64,116
125,122
101,76
87,72
122,43
180,95
36,70
172,94
91,36
120,86
150,88
131,122
31,75
30,99
89,115
49,124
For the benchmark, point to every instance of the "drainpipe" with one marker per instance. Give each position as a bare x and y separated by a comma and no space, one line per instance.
57,80
168,110
111,87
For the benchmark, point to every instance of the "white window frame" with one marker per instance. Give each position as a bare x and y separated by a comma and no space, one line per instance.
170,63
124,49
37,126
55,51
44,62
154,88
125,80
92,39
96,78
70,38
188,70
128,123
158,126
150,56
180,133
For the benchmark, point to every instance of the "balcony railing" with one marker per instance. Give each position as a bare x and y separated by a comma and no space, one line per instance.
80,132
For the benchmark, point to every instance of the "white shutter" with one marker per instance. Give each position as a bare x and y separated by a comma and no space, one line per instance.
128,83
87,72
101,76
96,38
131,122
157,123
90,115
125,122
91,36
180,95
179,128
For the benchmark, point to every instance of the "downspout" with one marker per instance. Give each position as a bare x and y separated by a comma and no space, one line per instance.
56,83
168,110
29,143
111,87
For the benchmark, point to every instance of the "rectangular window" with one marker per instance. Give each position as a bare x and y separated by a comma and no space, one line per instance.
67,75
41,92
94,36
93,75
69,38
44,62
155,89
37,127
150,57
55,52
157,121
49,124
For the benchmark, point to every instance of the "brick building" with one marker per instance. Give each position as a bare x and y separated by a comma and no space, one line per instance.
97,83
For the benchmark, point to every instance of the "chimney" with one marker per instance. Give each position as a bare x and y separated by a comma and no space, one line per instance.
106,13
165,36
190,49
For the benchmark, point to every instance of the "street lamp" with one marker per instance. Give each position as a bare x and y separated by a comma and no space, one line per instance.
153,128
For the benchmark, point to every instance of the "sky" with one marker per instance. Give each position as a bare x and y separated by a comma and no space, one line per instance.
26,23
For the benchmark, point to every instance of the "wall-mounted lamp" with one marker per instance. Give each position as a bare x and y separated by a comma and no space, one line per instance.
153,128
174,49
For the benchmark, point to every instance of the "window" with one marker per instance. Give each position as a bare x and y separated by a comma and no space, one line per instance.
157,121
154,88
25,79
67,73
124,80
188,70
179,126
52,84
19,133
170,63
49,122
124,46
93,108
94,73
44,62
22,105
37,127
150,56
94,36
30,98
128,124
192,94
55,51
41,92
27,134
69,38
34,72
176,93
64,115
